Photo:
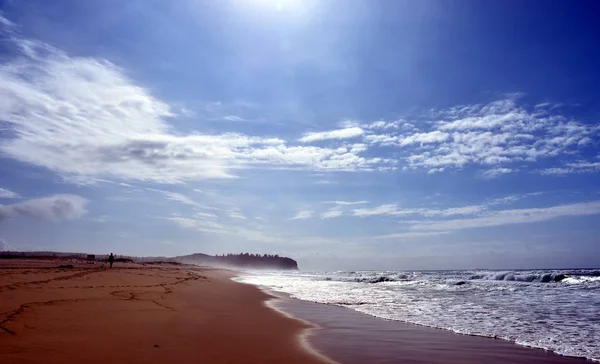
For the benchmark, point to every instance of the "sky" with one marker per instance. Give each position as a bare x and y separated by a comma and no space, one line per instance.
346,134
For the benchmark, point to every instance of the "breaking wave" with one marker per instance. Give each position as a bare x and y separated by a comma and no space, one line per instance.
512,305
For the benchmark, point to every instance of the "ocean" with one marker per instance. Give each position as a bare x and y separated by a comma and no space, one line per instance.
556,310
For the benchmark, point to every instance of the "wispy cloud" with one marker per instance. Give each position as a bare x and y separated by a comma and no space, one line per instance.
515,216
236,214
501,136
431,137
382,125
178,197
577,167
302,215
239,119
325,182
209,226
495,172
199,223
388,209
4,193
346,203
393,210
5,22
84,117
234,118
345,133
205,215
56,207
411,234
86,120
331,214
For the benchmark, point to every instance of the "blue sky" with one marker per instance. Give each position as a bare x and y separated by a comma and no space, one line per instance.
346,134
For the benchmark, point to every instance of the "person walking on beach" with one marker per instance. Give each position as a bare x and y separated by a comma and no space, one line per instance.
111,259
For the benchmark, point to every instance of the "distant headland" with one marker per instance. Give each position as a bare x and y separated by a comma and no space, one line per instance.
242,260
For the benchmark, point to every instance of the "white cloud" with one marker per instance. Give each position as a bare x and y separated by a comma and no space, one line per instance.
345,133
205,215
485,121
234,118
84,118
201,224
4,193
303,215
178,197
325,182
578,167
515,216
393,210
556,171
436,170
235,214
56,207
382,139
382,125
214,228
495,172
389,209
331,214
184,221
412,234
5,22
346,203
502,135
542,105
425,138
464,210
510,199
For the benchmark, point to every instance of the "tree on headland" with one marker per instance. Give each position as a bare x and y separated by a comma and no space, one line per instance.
248,260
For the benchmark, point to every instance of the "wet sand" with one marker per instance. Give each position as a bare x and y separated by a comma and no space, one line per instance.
351,337
139,314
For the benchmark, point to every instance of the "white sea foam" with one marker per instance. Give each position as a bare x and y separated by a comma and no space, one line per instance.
555,310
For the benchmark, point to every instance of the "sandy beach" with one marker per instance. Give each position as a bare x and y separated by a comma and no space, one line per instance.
157,313
139,314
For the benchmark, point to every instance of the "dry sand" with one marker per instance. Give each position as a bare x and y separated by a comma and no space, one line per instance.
139,314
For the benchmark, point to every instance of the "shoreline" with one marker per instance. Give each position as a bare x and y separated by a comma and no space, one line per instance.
157,313
349,336
142,314
305,334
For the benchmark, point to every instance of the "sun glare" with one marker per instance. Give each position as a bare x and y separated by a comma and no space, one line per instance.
278,4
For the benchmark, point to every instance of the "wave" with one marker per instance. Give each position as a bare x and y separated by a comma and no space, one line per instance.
566,276
461,278
382,278
510,304
347,303
521,277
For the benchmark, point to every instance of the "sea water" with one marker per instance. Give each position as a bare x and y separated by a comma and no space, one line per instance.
557,310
